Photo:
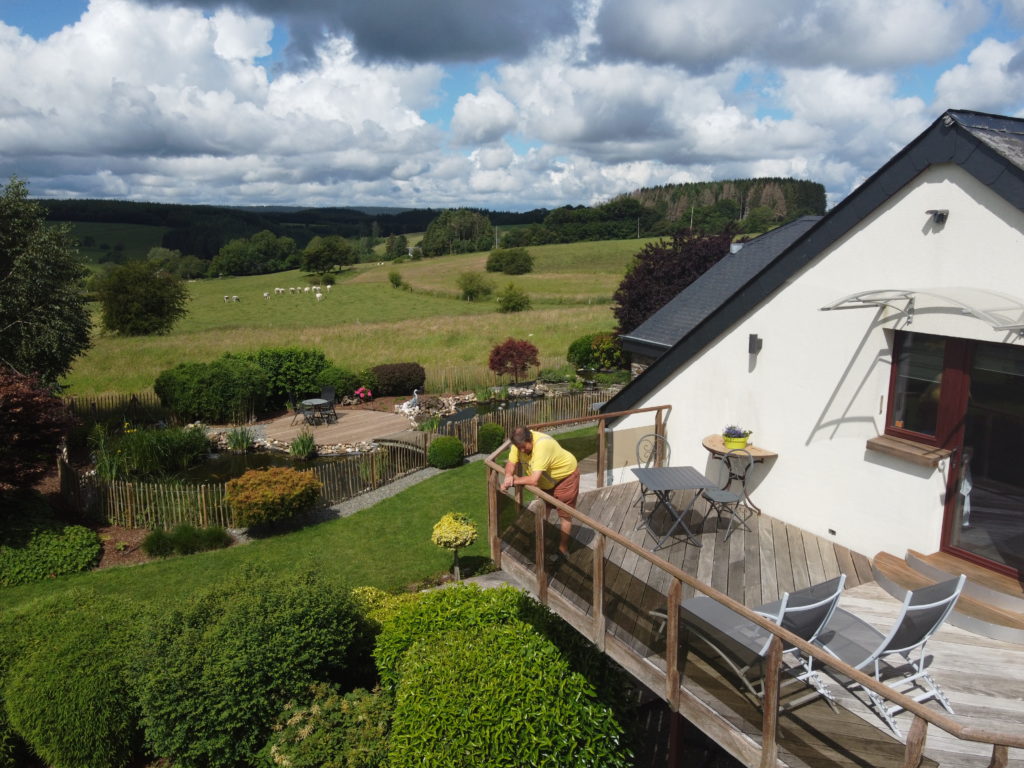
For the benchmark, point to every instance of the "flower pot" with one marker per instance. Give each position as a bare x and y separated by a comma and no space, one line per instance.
731,443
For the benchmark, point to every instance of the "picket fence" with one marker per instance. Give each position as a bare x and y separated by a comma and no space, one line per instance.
167,504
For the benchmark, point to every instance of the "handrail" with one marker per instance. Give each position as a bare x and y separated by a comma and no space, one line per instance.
1000,740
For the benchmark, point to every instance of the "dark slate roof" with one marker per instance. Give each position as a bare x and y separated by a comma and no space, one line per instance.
989,147
712,289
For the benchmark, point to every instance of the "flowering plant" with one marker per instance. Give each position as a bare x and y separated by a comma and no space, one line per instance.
363,393
733,431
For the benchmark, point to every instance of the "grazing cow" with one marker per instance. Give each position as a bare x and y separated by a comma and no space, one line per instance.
227,299
306,289
266,294
235,298
328,287
318,295
292,289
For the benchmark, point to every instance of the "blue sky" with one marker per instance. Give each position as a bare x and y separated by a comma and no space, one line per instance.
523,104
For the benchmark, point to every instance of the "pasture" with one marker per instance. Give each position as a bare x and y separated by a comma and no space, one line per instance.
364,321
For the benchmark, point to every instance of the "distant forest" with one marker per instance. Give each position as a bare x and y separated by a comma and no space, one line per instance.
748,206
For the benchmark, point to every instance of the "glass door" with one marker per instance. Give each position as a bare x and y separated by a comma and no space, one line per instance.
985,506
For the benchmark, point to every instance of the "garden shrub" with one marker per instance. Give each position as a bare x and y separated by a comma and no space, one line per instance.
289,370
513,299
344,381
225,390
331,730
562,373
185,539
470,703
511,261
398,378
610,378
221,667
596,351
489,437
474,286
158,543
264,496
465,608
446,452
214,537
68,695
34,546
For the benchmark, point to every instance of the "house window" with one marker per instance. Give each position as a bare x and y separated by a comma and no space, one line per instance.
917,383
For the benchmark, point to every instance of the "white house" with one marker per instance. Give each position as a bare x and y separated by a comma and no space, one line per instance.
890,372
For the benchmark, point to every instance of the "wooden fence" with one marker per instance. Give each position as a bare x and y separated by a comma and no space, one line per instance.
117,407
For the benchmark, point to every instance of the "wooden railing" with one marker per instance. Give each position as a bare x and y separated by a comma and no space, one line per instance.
678,698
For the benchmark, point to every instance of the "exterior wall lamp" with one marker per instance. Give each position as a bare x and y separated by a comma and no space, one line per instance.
754,344
939,215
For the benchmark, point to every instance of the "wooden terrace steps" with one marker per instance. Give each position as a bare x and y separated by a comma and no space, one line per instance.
978,610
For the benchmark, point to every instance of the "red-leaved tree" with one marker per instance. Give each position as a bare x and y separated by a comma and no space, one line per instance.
513,357
663,269
32,423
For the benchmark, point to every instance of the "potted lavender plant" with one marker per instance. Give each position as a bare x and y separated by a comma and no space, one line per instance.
735,437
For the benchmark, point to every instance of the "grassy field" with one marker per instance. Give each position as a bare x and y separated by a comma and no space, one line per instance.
363,321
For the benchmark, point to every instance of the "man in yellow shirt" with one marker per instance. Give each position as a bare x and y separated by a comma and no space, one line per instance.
546,466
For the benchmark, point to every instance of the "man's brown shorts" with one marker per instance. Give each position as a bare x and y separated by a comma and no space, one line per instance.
567,491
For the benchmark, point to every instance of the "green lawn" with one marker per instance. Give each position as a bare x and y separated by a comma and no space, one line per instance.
386,546
363,321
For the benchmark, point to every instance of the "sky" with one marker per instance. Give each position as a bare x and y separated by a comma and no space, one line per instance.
508,105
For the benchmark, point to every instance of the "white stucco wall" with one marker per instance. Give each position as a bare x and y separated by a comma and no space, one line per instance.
818,389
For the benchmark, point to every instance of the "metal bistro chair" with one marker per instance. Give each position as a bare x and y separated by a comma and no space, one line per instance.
652,450
300,411
742,645
723,501
863,647
330,395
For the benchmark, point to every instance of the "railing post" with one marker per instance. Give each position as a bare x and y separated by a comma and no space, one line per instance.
492,516
1000,756
675,594
915,742
538,533
770,704
598,612
601,463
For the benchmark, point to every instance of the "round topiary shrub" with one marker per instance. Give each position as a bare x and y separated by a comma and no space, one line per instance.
220,669
489,437
68,697
346,731
513,682
446,452
265,496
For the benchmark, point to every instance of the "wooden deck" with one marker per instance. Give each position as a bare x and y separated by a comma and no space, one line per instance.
983,678
354,425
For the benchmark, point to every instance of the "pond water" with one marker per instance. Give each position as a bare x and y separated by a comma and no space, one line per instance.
478,409
221,467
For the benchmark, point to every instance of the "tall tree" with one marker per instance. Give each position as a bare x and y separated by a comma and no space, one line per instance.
323,254
457,231
44,320
663,269
137,299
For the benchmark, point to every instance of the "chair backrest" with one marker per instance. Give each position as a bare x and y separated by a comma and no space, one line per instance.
923,612
805,612
327,393
652,450
737,462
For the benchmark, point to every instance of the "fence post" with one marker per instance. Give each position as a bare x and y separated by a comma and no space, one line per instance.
770,704
915,742
601,447
538,531
675,593
1000,756
598,600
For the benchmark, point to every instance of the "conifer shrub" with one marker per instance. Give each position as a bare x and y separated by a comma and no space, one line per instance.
398,378
489,437
67,695
446,452
261,497
221,667
470,703
330,729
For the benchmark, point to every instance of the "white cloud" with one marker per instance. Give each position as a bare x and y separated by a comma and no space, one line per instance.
992,79
483,117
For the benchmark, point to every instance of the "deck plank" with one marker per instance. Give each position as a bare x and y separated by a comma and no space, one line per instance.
815,566
752,565
798,558
829,561
766,556
783,564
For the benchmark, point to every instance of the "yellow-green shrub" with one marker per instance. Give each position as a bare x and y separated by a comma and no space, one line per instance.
264,496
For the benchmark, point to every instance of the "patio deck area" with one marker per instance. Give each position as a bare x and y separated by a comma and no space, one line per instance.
354,425
983,678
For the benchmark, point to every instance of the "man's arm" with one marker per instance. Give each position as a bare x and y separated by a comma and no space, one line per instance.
511,479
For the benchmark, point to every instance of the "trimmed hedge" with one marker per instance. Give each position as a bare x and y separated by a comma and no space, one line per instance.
229,389
220,669
489,437
288,370
68,697
270,495
331,730
446,452
344,381
505,700
398,379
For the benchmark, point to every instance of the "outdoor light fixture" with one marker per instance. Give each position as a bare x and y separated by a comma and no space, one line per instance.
938,215
754,343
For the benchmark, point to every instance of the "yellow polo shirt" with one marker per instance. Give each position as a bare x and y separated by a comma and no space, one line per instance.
554,462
